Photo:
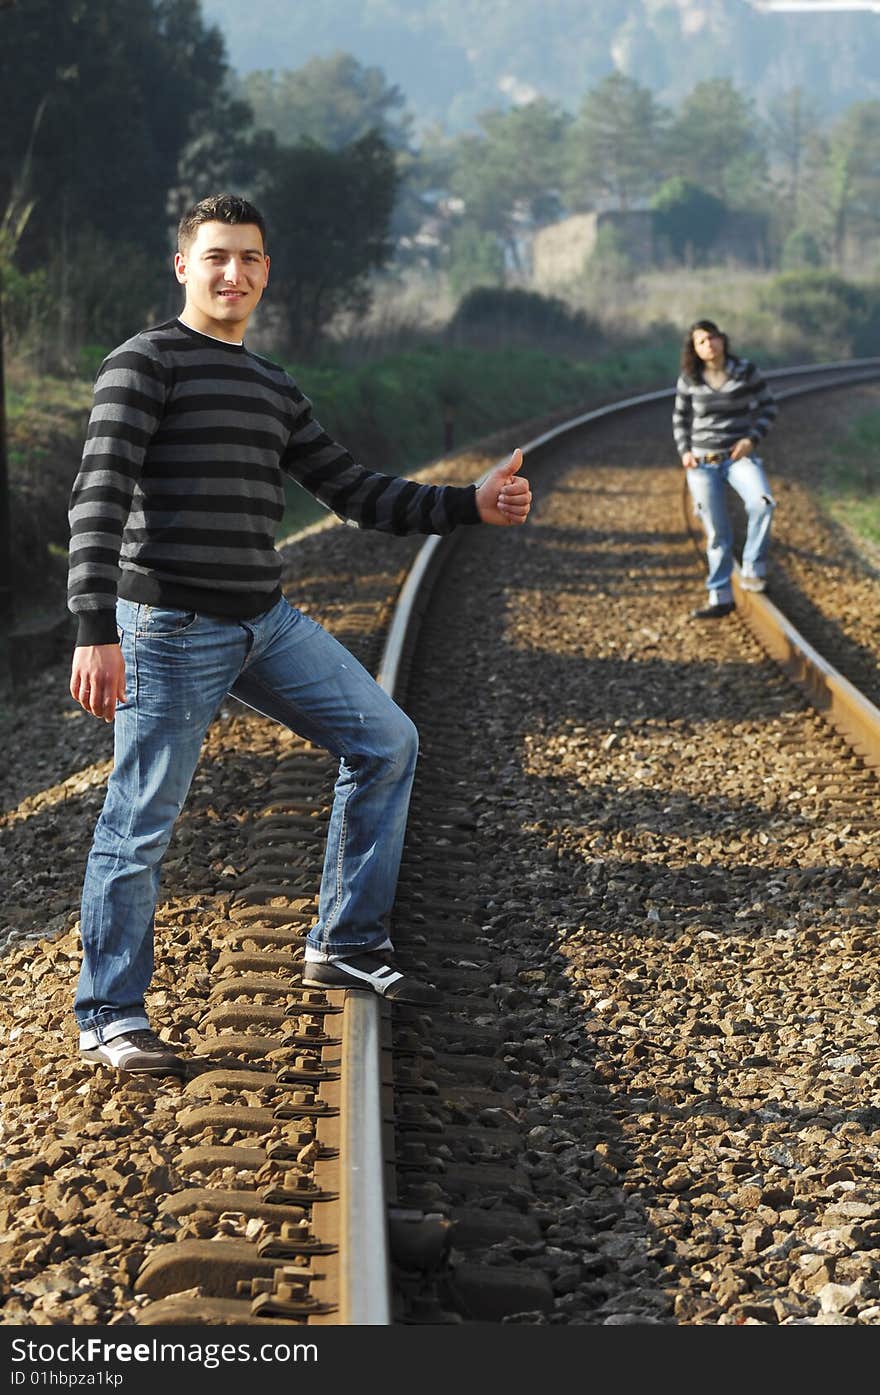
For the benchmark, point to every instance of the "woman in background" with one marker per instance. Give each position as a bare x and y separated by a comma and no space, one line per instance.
723,408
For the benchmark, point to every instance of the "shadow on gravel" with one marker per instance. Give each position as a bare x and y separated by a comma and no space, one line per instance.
854,661
553,539
44,854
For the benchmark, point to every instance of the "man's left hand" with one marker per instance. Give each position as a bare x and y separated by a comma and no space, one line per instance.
504,497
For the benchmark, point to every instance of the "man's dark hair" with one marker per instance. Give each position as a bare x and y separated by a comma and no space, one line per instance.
691,364
218,208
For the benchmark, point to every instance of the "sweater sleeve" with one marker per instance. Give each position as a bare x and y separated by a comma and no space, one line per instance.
128,404
682,416
364,497
764,405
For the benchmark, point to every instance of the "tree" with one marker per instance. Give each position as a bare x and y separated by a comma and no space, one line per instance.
120,84
512,167
714,142
688,217
792,123
224,152
108,145
615,145
852,181
332,101
328,213
801,251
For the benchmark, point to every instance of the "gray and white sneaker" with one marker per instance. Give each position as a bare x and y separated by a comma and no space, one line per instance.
753,583
375,970
139,1052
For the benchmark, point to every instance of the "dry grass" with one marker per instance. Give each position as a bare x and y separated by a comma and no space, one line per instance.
419,302
730,295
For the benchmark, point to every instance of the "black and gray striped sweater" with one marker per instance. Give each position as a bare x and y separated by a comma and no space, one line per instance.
709,420
181,486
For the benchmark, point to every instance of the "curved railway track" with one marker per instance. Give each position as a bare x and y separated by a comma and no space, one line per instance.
639,1101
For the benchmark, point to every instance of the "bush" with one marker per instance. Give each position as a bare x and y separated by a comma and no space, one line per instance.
89,360
498,316
825,315
46,426
26,303
801,250
476,258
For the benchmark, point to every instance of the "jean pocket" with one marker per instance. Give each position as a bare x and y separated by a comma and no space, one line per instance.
162,622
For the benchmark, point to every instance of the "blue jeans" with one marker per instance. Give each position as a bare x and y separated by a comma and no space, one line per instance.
179,668
707,484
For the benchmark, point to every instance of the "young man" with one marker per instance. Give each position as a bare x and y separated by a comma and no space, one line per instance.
174,580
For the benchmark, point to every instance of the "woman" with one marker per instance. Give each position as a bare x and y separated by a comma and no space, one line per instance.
723,408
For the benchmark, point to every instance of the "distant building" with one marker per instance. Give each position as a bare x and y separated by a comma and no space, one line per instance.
559,252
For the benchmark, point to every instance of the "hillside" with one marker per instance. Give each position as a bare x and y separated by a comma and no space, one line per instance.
455,58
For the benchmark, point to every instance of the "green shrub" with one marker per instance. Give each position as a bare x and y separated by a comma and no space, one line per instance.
26,303
826,315
393,414
499,316
476,258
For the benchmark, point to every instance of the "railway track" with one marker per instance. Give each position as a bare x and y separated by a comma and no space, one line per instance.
611,848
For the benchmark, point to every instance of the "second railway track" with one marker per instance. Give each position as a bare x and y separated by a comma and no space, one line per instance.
643,872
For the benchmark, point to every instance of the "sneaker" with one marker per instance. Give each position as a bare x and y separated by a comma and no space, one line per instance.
713,612
753,583
375,970
139,1052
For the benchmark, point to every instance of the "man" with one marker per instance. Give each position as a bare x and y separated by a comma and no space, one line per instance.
174,580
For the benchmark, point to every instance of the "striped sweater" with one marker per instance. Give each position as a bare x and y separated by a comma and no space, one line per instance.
181,486
708,420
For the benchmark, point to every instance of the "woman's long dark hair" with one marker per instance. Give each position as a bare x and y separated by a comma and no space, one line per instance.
691,363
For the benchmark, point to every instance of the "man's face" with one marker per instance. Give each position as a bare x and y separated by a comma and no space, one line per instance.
225,271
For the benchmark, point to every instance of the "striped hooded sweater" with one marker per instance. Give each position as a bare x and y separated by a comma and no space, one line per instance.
707,420
181,486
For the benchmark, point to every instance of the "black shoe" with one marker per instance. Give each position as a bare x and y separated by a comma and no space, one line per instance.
713,612
376,970
139,1053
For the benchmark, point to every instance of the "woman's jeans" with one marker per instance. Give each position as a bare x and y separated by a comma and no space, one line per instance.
179,668
707,484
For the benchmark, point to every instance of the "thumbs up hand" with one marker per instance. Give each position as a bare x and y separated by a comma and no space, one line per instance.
504,498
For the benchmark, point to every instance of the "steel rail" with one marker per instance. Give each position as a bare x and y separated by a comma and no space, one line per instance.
365,1271
841,704
364,1265
364,1278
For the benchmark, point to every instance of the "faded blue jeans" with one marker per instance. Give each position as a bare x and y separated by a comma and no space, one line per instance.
707,484
179,668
